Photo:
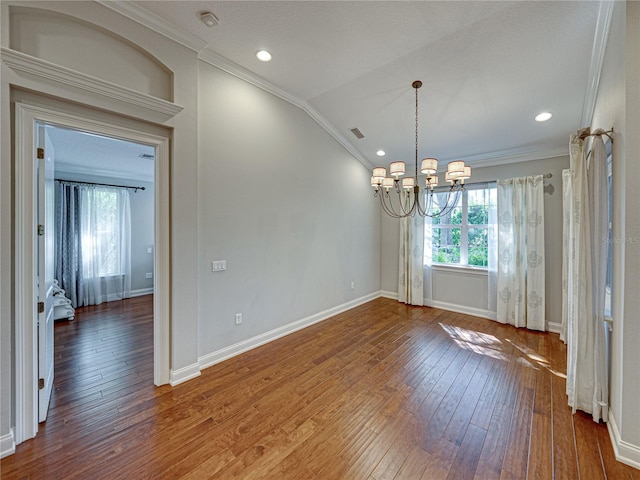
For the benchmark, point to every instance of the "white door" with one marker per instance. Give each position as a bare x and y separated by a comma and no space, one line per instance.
45,268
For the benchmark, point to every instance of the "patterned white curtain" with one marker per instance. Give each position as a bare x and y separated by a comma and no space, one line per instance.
585,264
521,271
411,275
567,256
492,260
427,267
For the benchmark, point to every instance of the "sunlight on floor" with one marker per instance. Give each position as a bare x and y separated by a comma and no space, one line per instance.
491,346
477,342
543,362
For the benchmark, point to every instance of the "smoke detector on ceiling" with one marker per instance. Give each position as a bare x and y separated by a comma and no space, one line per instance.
209,19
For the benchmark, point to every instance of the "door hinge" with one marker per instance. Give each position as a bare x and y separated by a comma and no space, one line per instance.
40,153
40,230
40,307
40,383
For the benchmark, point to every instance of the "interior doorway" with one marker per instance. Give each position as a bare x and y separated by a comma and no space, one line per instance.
103,243
28,118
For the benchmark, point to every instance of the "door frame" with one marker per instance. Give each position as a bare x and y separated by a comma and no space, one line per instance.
26,346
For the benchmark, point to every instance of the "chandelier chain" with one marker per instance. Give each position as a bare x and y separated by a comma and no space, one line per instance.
416,136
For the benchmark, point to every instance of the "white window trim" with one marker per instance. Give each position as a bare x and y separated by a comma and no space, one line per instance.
464,237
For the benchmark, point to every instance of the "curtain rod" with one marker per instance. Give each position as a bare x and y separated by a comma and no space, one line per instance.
586,132
135,189
444,188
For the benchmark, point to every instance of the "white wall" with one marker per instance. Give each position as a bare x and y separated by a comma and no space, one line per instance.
116,55
142,234
285,205
618,106
447,280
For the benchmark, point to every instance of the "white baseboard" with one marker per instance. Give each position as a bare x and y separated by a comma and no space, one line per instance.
452,307
183,374
554,327
388,294
251,343
7,444
625,452
142,291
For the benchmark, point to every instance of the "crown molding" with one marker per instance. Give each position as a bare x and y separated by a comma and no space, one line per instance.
603,24
515,155
154,22
21,62
242,73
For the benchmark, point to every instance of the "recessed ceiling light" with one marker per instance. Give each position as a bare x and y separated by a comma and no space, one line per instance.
543,117
263,56
381,153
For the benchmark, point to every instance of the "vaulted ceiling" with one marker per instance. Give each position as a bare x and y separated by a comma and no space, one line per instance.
487,67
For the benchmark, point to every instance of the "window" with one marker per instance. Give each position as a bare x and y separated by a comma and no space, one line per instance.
461,236
105,231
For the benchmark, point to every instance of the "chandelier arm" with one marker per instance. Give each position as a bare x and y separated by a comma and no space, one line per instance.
387,207
407,202
390,208
420,209
448,208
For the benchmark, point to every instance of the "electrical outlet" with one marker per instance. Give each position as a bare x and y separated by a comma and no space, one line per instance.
238,318
353,285
148,275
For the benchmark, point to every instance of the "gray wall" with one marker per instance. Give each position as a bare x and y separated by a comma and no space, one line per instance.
253,180
474,284
618,106
285,205
142,235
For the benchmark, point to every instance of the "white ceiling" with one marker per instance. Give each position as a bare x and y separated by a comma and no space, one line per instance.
84,153
487,68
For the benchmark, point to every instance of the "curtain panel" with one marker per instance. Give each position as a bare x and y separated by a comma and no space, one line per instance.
106,237
521,269
68,247
93,243
584,278
411,271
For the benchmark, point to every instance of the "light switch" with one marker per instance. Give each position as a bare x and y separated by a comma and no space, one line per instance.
149,249
219,265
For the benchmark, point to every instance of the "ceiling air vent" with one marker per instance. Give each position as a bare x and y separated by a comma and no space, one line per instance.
146,156
359,135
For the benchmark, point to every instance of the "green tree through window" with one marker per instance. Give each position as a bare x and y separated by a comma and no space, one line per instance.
461,236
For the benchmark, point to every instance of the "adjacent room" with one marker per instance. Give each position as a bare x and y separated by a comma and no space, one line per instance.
333,240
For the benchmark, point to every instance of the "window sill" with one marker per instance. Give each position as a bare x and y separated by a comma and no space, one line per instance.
481,271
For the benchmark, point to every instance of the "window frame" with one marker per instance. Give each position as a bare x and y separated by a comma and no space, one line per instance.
464,229
608,307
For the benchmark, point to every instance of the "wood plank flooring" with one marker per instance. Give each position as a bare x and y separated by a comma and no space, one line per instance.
383,391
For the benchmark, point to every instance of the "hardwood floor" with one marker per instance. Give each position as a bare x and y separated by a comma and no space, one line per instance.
383,391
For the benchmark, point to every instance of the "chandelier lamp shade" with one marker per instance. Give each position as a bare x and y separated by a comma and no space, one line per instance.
402,197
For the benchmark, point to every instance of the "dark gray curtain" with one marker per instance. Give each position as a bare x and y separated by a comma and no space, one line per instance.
68,269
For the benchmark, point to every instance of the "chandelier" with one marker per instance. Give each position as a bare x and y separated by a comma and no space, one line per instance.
402,203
